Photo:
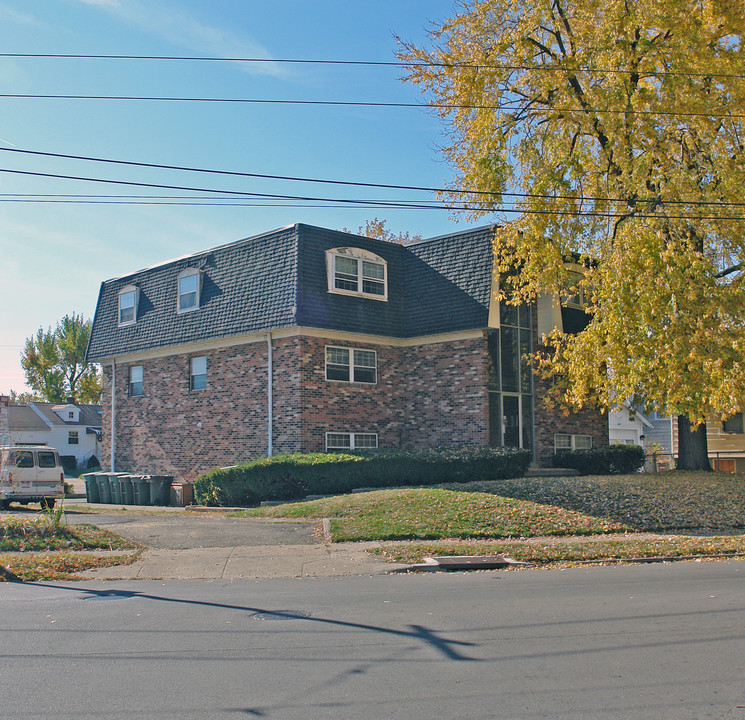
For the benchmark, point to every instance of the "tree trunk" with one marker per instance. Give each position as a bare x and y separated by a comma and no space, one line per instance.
693,448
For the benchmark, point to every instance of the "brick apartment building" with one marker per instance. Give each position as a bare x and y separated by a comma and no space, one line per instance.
306,339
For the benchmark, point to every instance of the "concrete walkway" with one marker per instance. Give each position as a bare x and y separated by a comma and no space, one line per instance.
183,544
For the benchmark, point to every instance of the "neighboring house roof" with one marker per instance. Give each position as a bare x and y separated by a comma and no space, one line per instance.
90,415
22,418
279,280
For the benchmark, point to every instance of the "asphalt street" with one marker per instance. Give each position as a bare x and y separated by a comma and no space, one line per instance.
632,642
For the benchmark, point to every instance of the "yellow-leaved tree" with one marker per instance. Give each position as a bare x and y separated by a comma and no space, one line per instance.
614,130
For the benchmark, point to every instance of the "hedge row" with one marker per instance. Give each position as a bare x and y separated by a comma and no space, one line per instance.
603,460
292,477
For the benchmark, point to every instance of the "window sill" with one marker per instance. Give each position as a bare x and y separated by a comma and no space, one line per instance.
352,293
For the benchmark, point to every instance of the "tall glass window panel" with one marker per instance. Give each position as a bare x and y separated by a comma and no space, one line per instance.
527,415
507,313
495,419
492,360
526,371
511,420
510,360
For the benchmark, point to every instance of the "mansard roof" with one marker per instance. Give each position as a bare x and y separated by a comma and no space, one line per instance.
279,280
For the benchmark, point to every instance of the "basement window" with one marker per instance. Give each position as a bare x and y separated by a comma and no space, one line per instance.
351,441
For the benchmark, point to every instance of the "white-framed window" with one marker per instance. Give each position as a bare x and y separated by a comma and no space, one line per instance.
198,373
72,437
70,415
565,441
576,292
135,380
128,298
351,441
351,365
353,271
189,290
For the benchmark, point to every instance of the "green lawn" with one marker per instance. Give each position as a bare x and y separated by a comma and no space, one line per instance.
545,520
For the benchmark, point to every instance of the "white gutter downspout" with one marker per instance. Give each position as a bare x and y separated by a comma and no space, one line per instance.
270,418
113,413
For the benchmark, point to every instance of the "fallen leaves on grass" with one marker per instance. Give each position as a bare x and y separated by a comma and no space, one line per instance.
25,567
655,502
429,513
571,550
33,534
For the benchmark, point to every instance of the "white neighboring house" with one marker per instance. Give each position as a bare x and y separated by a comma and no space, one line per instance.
70,428
628,427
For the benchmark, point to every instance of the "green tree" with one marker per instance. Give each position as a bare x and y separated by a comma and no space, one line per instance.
618,126
22,398
54,362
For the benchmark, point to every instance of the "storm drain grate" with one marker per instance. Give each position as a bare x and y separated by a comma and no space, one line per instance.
280,615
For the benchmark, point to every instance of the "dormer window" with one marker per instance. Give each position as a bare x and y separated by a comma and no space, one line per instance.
352,271
128,298
189,290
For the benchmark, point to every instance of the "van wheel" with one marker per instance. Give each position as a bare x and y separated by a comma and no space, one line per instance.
47,503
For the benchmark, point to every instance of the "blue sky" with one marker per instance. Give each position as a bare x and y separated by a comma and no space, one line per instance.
55,255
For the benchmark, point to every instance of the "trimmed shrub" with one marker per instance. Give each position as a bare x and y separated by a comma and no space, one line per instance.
69,464
605,460
93,463
291,477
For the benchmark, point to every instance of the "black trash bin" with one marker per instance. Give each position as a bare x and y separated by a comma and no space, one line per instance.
116,489
91,488
104,488
141,490
127,489
160,489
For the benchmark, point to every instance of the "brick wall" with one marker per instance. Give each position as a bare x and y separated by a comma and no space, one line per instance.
444,394
177,431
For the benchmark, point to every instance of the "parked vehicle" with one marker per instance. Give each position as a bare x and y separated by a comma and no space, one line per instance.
30,474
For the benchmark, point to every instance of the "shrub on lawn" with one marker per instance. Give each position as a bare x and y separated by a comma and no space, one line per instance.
289,477
605,460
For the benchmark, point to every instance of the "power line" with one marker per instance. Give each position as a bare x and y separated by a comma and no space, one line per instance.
363,103
350,183
398,205
368,63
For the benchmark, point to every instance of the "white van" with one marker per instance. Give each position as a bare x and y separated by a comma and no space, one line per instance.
30,474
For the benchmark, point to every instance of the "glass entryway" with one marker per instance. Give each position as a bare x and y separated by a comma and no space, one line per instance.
510,381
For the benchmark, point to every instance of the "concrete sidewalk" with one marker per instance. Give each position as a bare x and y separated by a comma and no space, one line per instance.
251,560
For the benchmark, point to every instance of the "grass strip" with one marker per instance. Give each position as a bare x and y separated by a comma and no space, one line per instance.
34,534
37,566
552,551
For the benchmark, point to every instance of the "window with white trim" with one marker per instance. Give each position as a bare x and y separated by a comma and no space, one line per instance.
127,312
198,373
72,437
733,424
351,441
189,290
135,380
351,365
353,271
565,441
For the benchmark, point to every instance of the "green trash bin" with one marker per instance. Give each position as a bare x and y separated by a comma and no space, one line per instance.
116,488
141,490
91,488
127,489
160,489
104,488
